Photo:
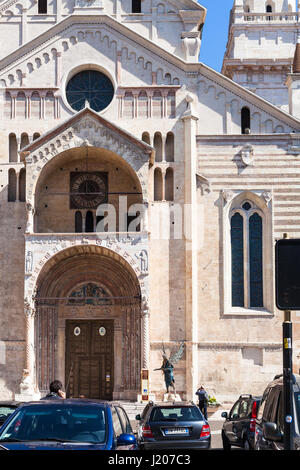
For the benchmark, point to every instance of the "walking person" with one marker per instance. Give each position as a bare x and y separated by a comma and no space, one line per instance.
55,391
203,400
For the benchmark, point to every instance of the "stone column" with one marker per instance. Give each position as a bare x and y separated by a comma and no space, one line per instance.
191,249
28,390
146,333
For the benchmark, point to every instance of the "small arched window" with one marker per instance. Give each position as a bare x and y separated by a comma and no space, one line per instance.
158,185
78,222
269,9
170,147
12,185
89,221
136,6
22,185
158,145
146,138
24,141
13,148
42,7
169,185
245,120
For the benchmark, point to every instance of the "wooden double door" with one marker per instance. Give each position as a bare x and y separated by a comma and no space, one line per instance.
89,358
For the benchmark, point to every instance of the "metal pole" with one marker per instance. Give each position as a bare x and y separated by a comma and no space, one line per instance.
288,381
287,335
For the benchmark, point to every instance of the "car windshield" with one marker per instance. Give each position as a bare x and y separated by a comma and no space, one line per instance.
68,423
297,405
6,410
178,413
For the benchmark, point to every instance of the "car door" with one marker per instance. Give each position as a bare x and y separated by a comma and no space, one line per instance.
269,415
117,426
241,423
230,423
278,417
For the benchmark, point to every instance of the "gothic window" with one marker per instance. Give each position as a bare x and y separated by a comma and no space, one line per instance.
13,148
158,185
42,7
245,120
136,6
246,226
36,135
12,185
22,185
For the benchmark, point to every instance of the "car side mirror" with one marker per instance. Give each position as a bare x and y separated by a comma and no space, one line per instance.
271,432
126,440
138,417
224,414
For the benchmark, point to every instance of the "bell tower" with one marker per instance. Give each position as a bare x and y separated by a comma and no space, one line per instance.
261,46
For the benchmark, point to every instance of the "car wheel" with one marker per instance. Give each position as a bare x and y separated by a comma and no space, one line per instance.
226,443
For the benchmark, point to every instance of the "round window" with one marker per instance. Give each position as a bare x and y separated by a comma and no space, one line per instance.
89,87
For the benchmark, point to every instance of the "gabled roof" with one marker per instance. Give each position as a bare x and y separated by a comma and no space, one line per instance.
54,33
72,121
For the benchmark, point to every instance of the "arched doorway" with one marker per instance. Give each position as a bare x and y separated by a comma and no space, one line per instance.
88,324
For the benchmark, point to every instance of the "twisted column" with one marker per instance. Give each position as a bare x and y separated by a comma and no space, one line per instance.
27,384
146,333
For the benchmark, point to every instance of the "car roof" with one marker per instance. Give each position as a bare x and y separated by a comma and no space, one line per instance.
10,403
173,403
70,401
278,380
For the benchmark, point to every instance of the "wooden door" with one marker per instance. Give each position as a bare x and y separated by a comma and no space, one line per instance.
89,358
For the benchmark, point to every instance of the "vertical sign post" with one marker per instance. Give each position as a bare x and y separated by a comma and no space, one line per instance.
287,257
145,384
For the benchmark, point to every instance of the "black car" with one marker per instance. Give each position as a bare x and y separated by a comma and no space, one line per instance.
70,424
269,428
7,408
239,425
173,425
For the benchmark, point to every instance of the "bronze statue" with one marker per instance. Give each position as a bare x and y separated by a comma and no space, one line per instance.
168,366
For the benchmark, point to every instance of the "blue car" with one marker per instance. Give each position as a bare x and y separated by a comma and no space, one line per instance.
71,424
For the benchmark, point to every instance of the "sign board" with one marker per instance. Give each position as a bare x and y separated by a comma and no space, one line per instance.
145,384
287,274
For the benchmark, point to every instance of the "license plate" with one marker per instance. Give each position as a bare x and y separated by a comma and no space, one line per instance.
176,431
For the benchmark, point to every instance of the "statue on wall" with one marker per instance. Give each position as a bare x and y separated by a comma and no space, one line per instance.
168,366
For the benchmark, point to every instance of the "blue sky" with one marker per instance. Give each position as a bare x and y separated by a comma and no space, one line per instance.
215,32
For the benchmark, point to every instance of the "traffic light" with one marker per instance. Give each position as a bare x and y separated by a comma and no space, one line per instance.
287,273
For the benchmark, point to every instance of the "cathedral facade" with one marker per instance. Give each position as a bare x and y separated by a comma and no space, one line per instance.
142,193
